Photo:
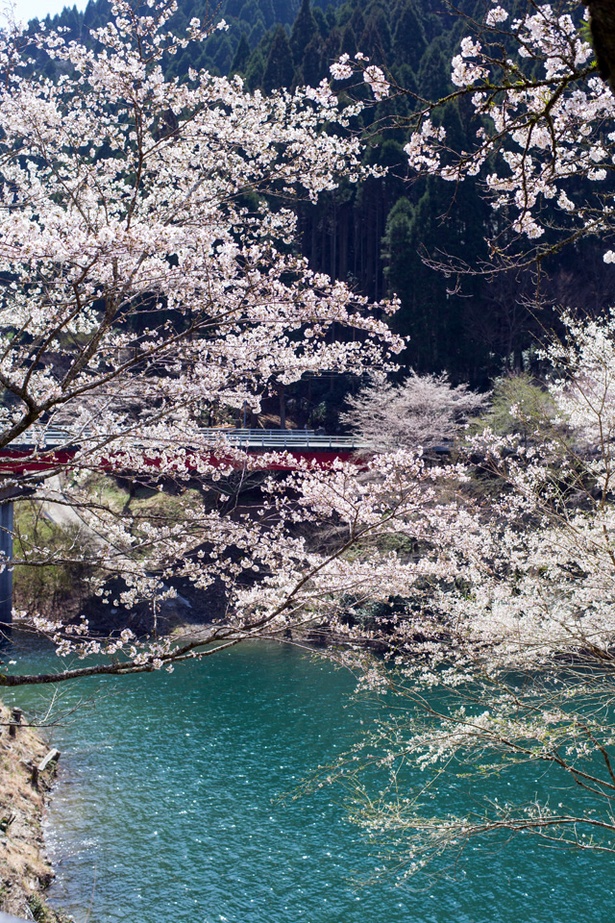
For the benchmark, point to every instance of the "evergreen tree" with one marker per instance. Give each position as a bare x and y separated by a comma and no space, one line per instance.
279,69
396,244
410,233
222,53
348,44
233,8
355,18
95,14
433,313
433,75
254,70
409,40
304,31
242,55
324,27
72,22
312,70
269,14
257,32
284,11
375,39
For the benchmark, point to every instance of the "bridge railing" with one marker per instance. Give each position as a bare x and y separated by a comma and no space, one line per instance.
45,438
285,439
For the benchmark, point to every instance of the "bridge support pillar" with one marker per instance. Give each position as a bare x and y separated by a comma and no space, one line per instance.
6,551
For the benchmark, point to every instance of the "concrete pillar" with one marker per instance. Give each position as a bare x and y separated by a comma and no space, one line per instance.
6,548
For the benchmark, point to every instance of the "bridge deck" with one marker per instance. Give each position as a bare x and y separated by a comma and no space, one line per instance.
45,448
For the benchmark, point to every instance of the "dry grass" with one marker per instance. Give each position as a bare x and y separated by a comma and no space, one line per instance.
24,869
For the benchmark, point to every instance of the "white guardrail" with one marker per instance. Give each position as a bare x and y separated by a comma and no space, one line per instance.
44,438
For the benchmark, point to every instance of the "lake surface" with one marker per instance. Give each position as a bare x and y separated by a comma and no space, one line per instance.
168,810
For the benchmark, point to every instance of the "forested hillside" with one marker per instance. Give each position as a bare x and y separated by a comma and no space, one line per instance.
377,234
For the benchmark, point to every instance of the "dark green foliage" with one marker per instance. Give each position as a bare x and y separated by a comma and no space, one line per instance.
312,70
348,44
279,69
233,8
270,12
433,80
375,40
285,10
242,56
397,243
324,26
254,70
409,41
304,31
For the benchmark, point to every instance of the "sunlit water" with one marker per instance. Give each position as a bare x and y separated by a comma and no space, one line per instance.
167,808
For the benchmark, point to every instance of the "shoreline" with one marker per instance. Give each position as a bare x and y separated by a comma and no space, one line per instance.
25,871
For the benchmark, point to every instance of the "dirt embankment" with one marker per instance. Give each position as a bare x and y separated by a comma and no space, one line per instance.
24,870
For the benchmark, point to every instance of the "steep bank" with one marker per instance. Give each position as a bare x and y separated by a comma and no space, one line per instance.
24,870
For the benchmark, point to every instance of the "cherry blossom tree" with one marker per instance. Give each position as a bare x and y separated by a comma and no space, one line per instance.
542,143
149,276
425,411
149,281
539,119
504,652
501,657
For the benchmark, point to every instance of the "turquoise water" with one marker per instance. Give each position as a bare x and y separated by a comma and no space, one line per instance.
167,809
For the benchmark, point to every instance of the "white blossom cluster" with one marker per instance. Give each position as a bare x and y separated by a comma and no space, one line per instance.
545,123
424,412
345,67
503,652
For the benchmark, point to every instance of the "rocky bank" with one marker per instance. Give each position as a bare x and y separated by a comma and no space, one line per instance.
25,872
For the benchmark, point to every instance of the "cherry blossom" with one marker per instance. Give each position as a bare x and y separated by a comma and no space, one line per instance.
152,281
495,605
543,117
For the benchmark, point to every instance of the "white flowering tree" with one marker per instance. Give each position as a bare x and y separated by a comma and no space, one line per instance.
539,119
148,278
424,412
504,653
543,142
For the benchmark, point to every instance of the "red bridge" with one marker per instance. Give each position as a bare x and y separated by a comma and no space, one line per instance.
43,449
